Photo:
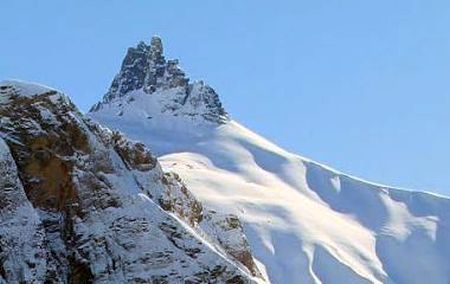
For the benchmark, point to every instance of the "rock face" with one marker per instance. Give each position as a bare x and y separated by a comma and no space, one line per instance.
145,70
82,204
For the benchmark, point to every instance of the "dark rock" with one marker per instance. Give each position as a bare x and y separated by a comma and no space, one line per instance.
145,68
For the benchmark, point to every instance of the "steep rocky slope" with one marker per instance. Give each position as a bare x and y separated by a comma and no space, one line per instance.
145,68
82,204
306,223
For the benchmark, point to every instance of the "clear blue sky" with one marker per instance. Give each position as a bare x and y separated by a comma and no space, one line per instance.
363,86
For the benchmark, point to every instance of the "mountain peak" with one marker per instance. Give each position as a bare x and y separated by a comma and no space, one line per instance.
145,70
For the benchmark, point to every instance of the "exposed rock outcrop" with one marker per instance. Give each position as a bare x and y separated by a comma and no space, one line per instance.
145,69
81,204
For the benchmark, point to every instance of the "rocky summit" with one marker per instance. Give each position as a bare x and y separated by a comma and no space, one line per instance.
145,70
82,204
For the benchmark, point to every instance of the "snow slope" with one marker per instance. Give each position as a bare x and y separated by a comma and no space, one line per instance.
306,223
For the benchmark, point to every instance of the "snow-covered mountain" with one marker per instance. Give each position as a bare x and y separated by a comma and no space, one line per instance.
82,204
305,222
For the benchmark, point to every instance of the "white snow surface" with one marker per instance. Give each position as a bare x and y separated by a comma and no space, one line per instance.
306,223
27,88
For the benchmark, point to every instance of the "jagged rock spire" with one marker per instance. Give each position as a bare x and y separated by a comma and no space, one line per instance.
145,68
156,49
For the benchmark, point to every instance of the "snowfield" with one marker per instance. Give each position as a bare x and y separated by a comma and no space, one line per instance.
306,223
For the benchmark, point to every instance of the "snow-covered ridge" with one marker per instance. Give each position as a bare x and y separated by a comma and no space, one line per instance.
82,204
24,88
306,222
